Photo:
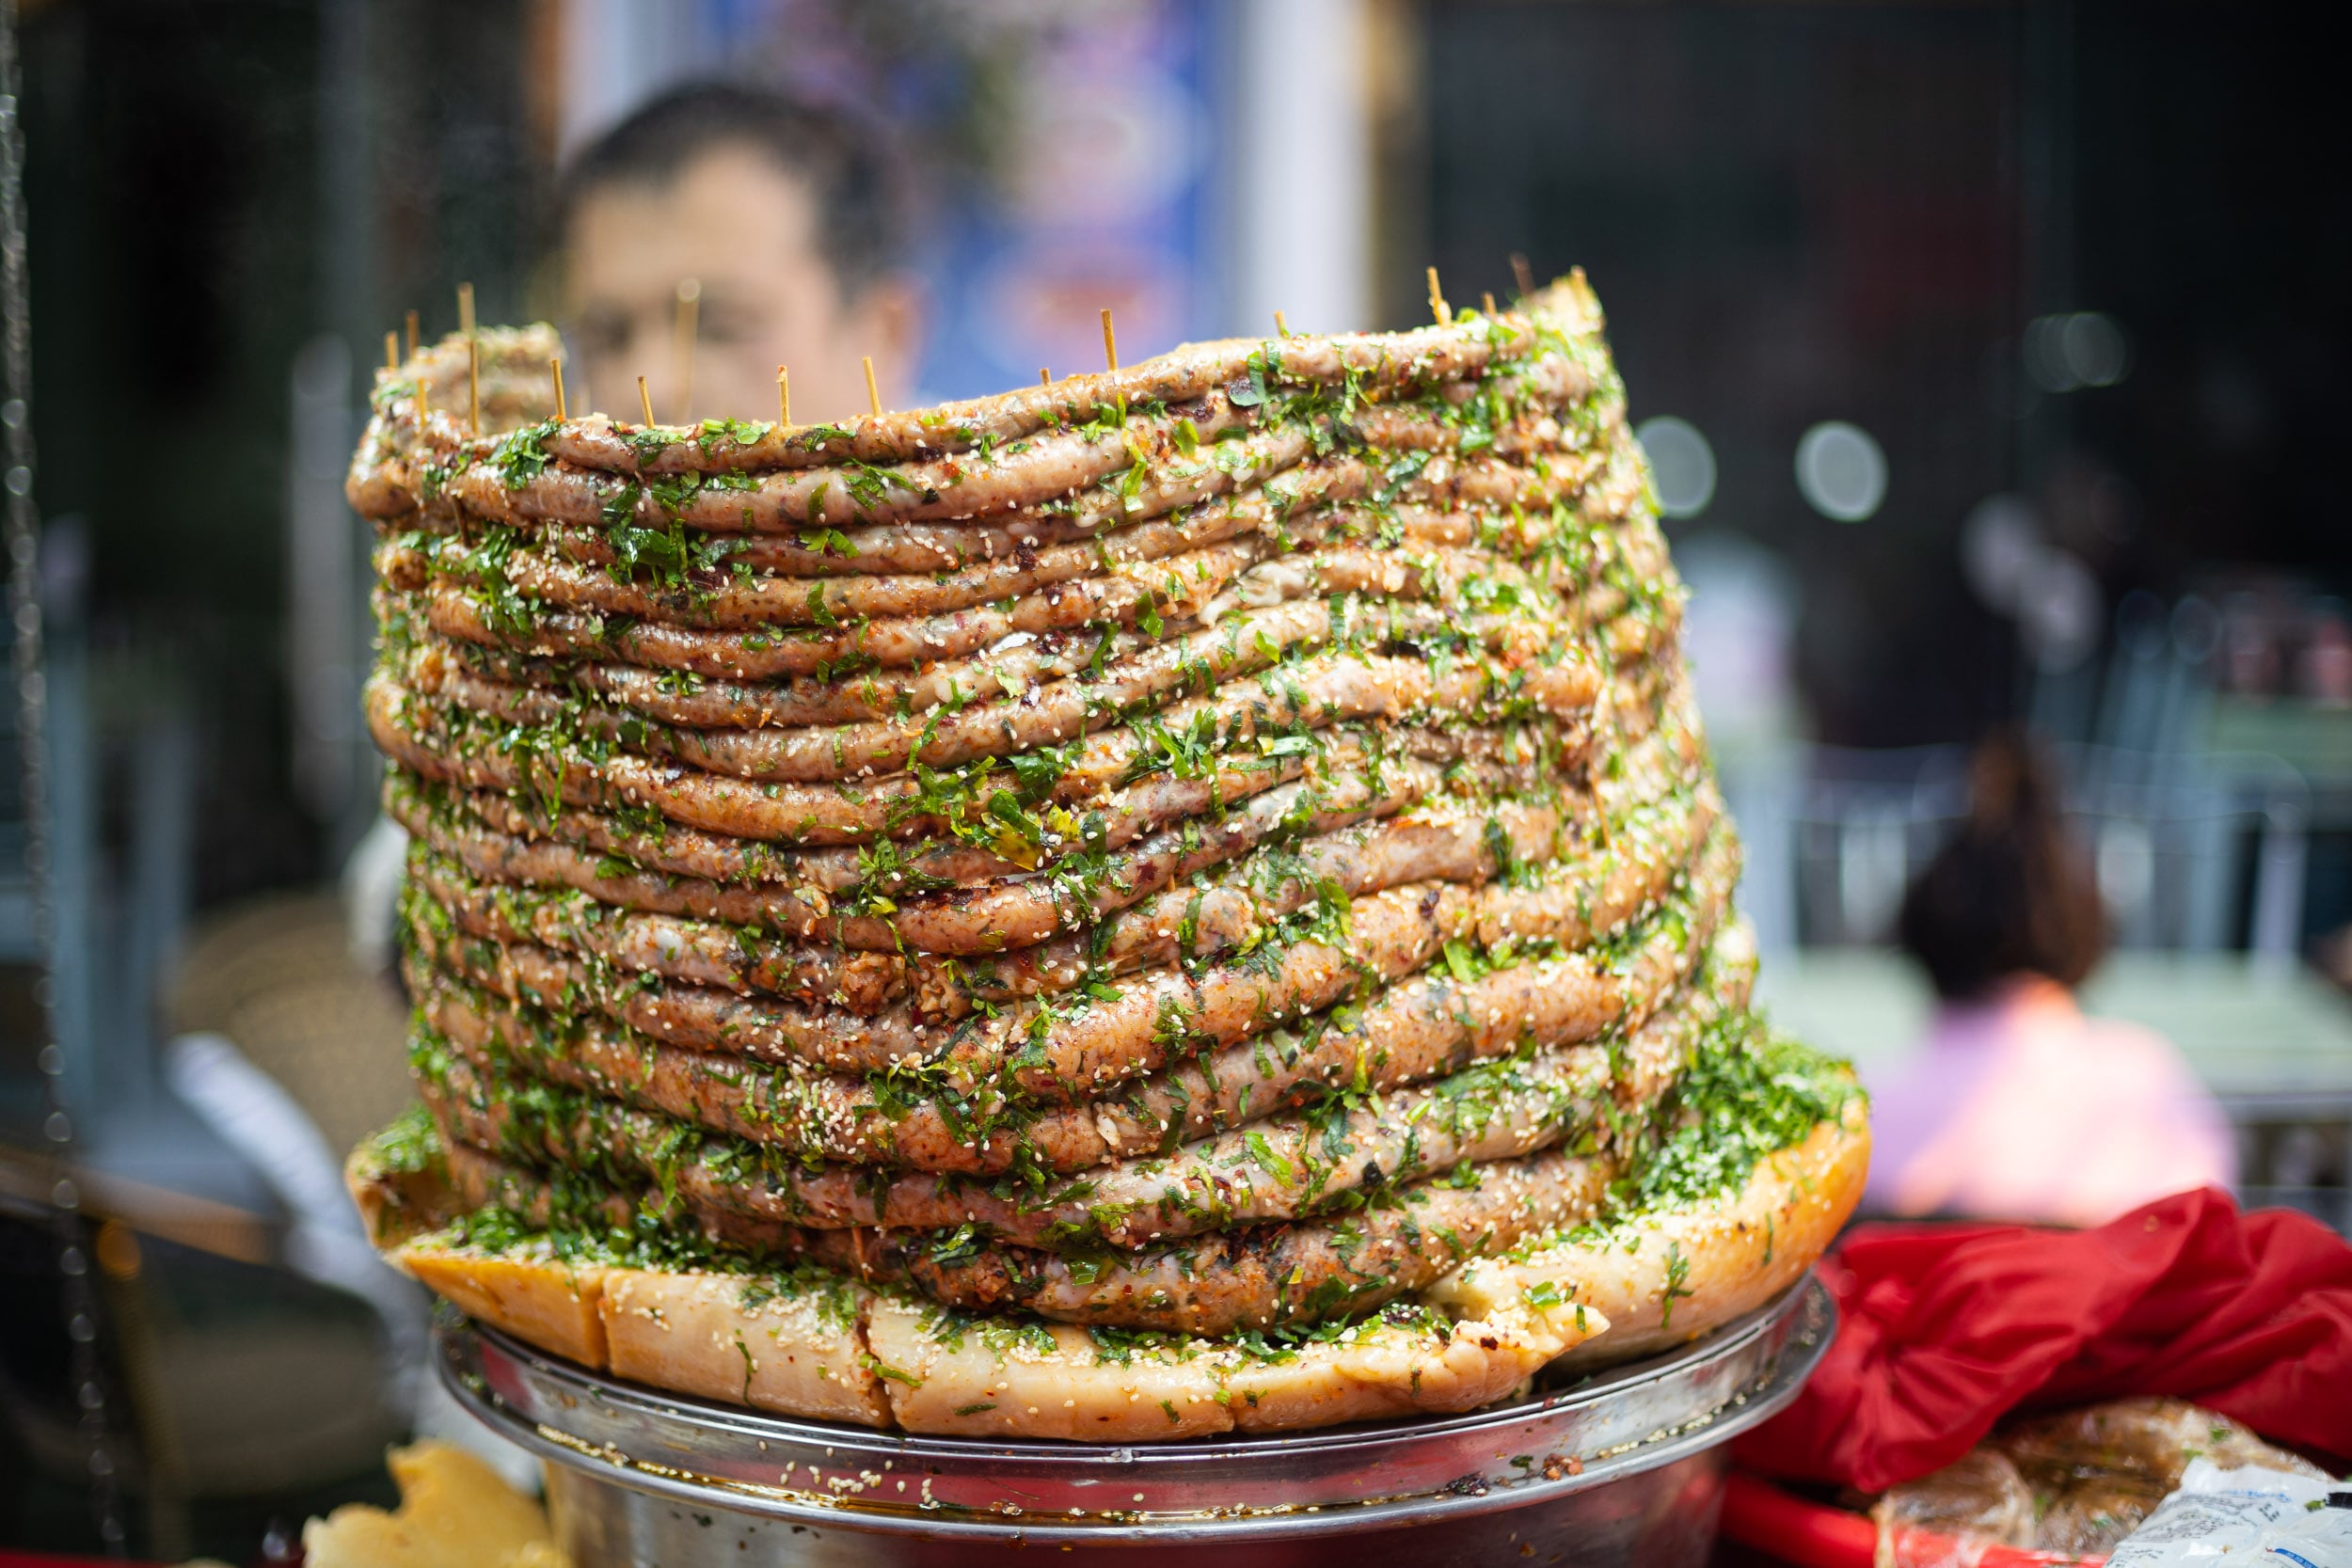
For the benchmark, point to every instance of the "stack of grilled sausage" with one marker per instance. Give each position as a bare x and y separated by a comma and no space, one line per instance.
1177,899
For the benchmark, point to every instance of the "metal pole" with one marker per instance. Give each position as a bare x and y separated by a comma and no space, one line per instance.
22,532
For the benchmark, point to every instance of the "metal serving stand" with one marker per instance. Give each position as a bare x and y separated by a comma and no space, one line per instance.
1626,1467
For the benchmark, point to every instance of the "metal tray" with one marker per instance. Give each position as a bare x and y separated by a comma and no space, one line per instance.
1625,1466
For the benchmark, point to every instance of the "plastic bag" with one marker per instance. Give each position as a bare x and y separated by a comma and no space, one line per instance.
2074,1483
2261,1517
2092,1516
1979,1499
2151,1440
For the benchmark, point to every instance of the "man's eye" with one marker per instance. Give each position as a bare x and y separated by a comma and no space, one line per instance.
724,326
595,335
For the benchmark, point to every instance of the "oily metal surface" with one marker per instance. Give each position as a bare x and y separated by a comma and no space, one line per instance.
1622,1461
1662,1517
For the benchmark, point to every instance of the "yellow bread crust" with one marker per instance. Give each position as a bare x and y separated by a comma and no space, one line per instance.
892,1362
529,1292
1669,1276
1055,1381
395,1204
848,1352
707,1334
842,1351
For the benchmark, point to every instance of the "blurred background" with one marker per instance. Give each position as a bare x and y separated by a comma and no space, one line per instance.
1988,355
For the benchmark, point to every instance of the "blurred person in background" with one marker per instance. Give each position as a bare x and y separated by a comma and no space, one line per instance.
786,224
791,223
2018,1106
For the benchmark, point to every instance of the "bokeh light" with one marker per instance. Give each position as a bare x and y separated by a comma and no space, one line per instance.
2082,348
1840,472
1682,465
1998,546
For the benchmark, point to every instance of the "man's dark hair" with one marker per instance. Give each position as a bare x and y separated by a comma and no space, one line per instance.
2011,893
852,170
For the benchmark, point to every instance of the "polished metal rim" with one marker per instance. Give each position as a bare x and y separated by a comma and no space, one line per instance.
1619,1422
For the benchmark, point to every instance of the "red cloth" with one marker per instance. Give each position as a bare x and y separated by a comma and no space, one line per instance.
1945,1329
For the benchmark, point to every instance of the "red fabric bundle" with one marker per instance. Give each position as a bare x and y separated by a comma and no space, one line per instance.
1945,1329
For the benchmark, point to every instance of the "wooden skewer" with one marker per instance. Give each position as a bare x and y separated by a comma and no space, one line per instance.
683,332
555,368
1281,327
1111,339
1437,306
1487,302
1525,274
465,308
783,397
873,397
391,351
644,400
412,334
1044,377
474,384
424,400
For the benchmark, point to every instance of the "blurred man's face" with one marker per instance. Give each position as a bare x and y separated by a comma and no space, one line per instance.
743,233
